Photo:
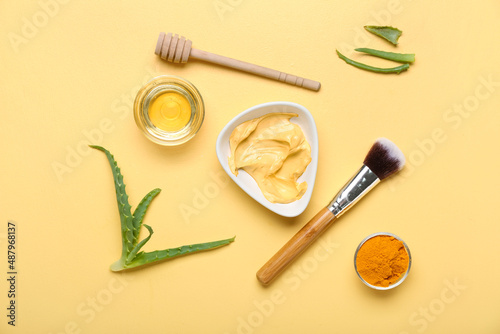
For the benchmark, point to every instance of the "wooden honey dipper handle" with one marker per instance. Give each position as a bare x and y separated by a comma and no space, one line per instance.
178,49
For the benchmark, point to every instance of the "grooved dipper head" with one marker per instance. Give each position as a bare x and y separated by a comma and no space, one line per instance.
173,48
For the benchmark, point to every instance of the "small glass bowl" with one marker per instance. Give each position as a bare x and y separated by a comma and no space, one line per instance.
401,279
161,85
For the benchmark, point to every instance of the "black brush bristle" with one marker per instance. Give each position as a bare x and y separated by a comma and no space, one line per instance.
384,158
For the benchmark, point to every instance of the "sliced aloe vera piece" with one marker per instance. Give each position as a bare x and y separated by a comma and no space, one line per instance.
397,69
388,33
398,57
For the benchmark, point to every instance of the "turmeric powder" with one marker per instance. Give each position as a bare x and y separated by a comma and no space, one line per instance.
382,260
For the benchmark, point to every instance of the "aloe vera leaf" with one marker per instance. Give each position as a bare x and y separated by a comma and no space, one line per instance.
138,247
398,57
131,224
362,66
140,211
390,34
123,206
159,255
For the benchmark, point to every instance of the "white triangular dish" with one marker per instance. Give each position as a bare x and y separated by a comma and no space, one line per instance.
246,182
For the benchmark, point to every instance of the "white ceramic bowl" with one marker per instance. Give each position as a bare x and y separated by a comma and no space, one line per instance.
246,182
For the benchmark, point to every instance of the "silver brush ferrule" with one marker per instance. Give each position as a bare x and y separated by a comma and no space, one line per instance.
353,191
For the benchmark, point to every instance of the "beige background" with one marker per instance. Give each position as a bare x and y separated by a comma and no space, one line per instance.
70,71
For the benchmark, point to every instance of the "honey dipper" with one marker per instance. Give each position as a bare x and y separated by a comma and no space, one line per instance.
178,49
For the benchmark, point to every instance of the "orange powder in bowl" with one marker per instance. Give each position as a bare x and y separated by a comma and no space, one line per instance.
382,260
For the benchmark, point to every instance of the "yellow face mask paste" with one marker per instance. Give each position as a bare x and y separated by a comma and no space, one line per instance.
170,111
274,152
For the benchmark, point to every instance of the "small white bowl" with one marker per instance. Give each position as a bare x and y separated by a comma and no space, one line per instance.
246,182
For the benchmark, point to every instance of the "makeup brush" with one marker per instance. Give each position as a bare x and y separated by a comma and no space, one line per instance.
178,49
383,160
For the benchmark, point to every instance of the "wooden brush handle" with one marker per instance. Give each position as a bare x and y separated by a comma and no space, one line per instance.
295,246
179,49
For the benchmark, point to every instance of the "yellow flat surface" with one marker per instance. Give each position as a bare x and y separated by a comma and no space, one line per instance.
69,73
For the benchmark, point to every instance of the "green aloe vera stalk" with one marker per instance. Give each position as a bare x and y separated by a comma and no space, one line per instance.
397,69
398,57
131,224
390,34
